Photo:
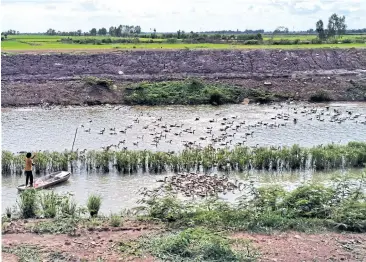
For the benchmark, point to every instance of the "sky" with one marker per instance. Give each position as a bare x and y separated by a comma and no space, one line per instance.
172,15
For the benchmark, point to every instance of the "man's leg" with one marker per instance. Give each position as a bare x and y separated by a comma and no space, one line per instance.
26,178
31,178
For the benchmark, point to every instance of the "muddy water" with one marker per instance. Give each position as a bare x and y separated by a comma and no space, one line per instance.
29,129
33,128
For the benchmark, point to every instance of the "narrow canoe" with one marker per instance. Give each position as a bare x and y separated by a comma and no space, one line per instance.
48,180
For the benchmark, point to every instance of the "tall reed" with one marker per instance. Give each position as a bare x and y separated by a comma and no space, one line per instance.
351,155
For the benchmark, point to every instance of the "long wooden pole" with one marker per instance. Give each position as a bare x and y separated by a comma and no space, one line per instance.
72,149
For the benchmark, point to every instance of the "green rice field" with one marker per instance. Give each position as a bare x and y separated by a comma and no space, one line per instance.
44,42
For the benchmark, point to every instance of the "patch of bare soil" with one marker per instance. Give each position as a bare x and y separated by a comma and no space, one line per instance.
85,244
295,246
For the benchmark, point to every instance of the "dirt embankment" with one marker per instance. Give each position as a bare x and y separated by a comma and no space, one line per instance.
31,79
104,242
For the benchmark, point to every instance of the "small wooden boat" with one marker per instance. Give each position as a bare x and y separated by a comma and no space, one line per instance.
48,180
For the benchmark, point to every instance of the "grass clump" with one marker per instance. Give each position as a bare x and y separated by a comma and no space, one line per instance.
115,220
196,244
93,204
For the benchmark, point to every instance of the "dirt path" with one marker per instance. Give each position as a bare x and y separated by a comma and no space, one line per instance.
295,246
103,243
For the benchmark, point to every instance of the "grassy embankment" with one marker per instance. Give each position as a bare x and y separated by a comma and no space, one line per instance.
44,42
191,230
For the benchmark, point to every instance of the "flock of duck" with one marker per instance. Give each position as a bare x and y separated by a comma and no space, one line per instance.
148,131
195,185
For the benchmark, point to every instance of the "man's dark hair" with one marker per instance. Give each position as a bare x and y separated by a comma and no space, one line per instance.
29,155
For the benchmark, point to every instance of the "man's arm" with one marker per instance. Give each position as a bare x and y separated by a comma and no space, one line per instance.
33,156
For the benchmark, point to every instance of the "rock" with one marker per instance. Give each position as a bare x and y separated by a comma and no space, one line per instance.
267,83
67,243
110,240
297,237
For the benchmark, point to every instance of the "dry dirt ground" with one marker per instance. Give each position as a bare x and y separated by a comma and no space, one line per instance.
103,242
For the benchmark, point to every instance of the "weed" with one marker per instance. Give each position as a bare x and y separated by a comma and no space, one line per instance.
25,253
56,226
115,220
196,244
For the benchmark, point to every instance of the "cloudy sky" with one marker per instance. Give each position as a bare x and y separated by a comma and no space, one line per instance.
171,15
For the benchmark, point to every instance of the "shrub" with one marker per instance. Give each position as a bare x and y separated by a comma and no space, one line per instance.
94,203
216,97
107,83
316,41
49,203
28,203
172,40
310,201
251,42
347,41
320,96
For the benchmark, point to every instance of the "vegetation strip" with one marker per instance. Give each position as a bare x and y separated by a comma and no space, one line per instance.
240,158
199,228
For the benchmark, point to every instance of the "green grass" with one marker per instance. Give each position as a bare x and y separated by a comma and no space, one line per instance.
197,244
43,42
182,92
24,253
309,208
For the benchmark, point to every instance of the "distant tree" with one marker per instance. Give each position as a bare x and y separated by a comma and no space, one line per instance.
93,32
320,30
79,32
51,32
112,31
102,31
153,35
341,26
332,25
137,29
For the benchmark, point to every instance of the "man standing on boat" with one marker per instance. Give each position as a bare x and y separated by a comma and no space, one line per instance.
28,169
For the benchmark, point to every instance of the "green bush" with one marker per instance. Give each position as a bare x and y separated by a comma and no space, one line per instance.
49,202
320,96
28,203
347,41
94,203
312,201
